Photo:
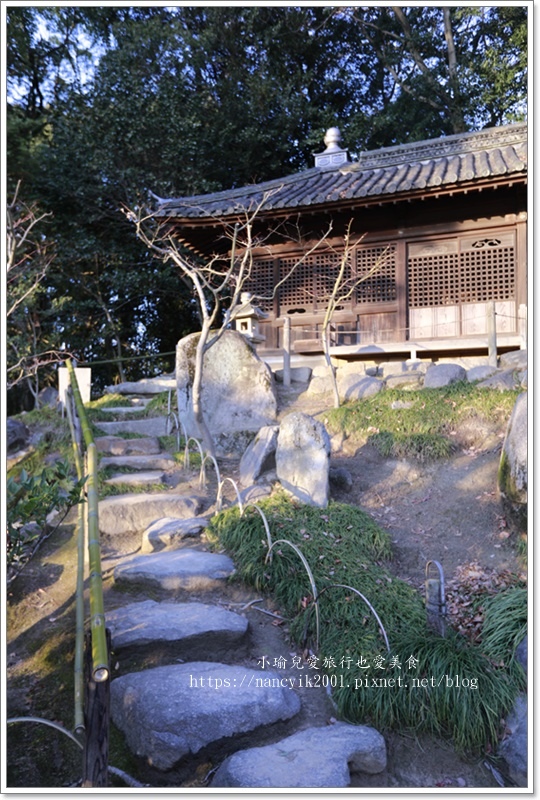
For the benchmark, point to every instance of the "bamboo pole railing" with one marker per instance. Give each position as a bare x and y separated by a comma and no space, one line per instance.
100,660
79,594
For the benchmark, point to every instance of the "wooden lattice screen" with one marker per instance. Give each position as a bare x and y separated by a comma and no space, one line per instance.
471,270
311,281
380,285
261,283
452,281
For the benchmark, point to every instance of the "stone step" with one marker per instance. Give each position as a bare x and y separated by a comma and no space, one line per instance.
196,630
312,758
175,570
116,446
139,400
150,426
121,410
170,712
168,533
147,386
133,513
149,478
144,462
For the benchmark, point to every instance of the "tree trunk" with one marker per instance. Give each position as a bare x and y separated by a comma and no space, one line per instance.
326,349
204,431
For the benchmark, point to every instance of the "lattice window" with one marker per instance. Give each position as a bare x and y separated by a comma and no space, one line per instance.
488,270
433,280
261,284
325,267
297,290
380,285
472,270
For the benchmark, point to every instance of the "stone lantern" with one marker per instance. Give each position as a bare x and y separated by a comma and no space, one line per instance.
247,317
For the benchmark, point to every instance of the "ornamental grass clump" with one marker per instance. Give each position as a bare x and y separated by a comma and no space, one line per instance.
348,554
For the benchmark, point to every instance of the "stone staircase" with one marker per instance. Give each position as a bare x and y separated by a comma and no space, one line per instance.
192,694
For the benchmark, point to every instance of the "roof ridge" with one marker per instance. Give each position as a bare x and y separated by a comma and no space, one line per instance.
455,144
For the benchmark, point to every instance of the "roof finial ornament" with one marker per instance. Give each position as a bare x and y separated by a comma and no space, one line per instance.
332,139
334,155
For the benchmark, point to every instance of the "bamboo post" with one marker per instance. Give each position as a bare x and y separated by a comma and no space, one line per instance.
492,335
79,593
287,351
435,600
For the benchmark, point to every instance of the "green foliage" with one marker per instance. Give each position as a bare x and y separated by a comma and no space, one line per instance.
421,430
106,103
342,545
471,716
505,623
30,499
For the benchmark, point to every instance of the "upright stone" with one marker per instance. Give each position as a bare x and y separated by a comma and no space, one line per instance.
260,455
303,458
238,392
513,473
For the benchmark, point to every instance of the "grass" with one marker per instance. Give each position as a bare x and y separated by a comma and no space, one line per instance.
422,430
342,545
505,623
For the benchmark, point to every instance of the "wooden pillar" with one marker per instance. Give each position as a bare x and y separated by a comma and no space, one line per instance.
492,334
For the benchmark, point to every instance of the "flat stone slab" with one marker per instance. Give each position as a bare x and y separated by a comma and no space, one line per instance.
168,533
162,462
150,426
316,757
116,446
176,569
129,513
188,625
169,712
149,478
123,410
163,383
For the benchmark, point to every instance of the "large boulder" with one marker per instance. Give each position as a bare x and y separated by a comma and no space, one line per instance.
514,747
444,374
352,386
303,458
238,392
513,474
17,435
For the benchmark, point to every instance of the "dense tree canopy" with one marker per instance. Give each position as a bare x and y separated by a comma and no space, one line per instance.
105,103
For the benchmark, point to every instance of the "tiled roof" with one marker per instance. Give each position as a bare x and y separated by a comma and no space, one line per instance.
420,166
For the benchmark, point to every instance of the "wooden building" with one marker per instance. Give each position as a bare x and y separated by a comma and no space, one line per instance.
439,232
